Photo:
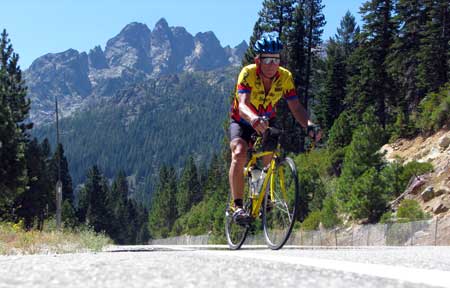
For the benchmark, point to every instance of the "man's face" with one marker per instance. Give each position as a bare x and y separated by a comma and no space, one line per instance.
269,64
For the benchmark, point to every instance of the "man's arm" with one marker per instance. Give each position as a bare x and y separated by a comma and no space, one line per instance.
299,112
302,117
246,113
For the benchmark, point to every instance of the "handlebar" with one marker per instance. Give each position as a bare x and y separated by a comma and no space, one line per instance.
274,133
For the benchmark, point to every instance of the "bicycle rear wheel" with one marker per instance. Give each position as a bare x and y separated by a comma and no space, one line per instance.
235,233
281,204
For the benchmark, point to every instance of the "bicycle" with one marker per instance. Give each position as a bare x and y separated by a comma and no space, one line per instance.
277,204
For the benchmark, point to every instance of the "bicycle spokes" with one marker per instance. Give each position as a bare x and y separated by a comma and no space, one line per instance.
279,219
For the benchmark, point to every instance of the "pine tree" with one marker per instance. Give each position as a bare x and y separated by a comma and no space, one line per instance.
302,36
97,191
329,214
276,15
360,191
14,109
47,198
82,205
347,34
315,21
68,216
403,59
188,192
434,55
370,84
368,199
163,210
33,202
203,176
331,100
142,232
117,205
249,56
296,54
341,132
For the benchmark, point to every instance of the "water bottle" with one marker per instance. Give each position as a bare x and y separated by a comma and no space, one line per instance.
256,176
262,175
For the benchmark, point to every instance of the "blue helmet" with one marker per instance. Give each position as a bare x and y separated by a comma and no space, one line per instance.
268,43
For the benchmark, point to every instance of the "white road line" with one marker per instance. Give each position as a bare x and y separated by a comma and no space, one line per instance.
411,275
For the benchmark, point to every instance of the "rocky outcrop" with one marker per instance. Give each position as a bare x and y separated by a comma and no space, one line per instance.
161,50
97,59
207,54
63,75
130,48
183,44
432,190
235,54
427,194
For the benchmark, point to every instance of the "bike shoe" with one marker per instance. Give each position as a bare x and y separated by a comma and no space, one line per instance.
241,217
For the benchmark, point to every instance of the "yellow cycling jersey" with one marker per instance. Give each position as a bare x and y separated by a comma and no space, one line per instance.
262,104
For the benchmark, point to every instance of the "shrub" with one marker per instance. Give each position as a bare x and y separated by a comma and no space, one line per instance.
312,171
402,127
396,176
434,110
415,168
329,214
387,218
340,134
368,197
410,210
312,221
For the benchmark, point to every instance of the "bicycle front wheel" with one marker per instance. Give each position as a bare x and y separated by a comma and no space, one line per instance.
281,204
235,233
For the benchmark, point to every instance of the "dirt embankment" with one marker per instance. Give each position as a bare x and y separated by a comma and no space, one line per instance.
431,190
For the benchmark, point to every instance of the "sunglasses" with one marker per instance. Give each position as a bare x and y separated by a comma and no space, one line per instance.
268,60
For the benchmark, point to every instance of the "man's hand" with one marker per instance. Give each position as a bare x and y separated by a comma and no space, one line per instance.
260,125
314,131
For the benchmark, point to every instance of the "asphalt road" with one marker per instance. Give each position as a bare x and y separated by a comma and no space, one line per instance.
193,266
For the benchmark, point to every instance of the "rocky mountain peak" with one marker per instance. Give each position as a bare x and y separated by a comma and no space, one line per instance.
208,53
161,50
207,37
235,54
183,45
241,48
130,48
67,70
97,58
161,26
133,33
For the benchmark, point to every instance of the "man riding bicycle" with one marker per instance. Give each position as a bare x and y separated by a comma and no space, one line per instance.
260,86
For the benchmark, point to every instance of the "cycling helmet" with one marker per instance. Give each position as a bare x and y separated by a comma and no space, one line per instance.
268,43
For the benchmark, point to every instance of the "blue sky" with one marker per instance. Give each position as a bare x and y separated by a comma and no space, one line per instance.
50,26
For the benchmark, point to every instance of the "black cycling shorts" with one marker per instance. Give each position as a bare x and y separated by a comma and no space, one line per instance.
245,132
238,130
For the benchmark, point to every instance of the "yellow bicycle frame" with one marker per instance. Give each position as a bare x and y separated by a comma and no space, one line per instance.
258,201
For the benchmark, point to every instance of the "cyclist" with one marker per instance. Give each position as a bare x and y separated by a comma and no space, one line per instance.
260,86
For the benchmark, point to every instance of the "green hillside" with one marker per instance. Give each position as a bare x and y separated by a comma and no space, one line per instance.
146,125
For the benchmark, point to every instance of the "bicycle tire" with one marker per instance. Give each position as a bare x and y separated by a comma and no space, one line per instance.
279,214
235,233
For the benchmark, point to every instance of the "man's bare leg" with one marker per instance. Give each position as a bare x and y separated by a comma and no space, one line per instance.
238,159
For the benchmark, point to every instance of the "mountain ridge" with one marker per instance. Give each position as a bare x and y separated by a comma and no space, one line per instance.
135,54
